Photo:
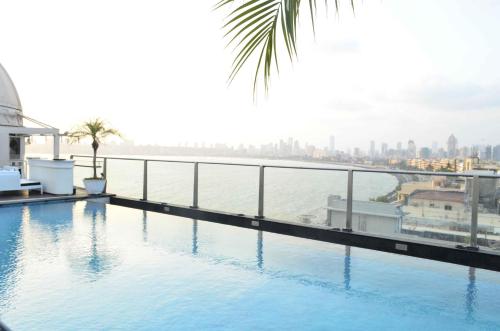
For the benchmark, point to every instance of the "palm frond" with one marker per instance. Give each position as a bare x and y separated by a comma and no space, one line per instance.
253,27
94,129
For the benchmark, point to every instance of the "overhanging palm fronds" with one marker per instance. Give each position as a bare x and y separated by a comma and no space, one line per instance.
253,27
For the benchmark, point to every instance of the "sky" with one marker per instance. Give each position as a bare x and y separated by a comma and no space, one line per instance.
157,71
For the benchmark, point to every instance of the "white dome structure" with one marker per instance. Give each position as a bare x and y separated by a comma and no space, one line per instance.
13,133
10,105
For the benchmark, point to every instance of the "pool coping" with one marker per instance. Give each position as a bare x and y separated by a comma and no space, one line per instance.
436,251
53,198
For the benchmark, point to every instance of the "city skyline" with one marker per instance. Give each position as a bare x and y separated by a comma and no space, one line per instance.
291,147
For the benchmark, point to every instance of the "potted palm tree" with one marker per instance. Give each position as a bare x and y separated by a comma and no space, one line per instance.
97,131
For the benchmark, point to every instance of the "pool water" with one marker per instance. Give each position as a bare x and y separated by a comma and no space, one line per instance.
91,266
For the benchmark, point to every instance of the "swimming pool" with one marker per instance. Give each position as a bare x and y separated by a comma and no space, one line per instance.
91,266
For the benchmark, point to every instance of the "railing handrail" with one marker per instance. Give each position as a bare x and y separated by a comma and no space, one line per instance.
353,168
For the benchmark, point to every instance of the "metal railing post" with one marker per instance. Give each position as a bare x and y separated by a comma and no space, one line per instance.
104,167
474,211
195,186
145,181
104,172
350,180
260,212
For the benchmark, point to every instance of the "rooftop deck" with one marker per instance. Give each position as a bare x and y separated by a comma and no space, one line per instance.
20,197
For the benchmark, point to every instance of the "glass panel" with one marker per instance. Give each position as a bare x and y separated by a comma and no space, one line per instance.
430,208
125,177
228,188
488,237
83,169
171,182
306,196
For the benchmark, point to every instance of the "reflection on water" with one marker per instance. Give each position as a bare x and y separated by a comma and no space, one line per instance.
195,237
144,226
10,246
347,268
470,296
260,249
99,260
81,237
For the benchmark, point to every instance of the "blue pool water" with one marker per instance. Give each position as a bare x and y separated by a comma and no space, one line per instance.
90,266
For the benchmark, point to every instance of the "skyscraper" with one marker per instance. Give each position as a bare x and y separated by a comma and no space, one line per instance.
372,149
488,153
331,146
412,149
452,146
399,148
383,149
435,148
496,153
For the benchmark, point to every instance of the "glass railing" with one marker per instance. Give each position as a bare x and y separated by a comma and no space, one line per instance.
170,181
454,208
302,195
84,169
228,188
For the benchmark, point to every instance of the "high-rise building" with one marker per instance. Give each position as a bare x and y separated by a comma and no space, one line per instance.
496,153
488,153
383,149
452,146
464,152
399,148
331,145
412,149
372,149
289,146
474,151
435,148
296,148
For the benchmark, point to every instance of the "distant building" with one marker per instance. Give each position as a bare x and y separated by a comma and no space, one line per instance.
435,148
367,216
451,201
383,150
372,149
452,146
465,152
470,163
496,153
408,188
412,149
331,146
425,153
488,153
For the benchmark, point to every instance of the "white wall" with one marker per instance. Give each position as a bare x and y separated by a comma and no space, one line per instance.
366,223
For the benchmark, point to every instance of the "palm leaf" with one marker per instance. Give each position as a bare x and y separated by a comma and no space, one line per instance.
254,25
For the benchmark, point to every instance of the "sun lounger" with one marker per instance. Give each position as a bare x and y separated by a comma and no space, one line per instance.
10,180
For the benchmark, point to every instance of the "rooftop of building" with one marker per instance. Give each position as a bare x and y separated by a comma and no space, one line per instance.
438,195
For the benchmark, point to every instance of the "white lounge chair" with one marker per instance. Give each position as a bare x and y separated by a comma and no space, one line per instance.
10,180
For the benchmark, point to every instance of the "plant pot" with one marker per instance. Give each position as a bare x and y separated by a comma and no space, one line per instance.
94,185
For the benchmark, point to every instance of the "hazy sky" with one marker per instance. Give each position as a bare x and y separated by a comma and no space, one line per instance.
157,71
